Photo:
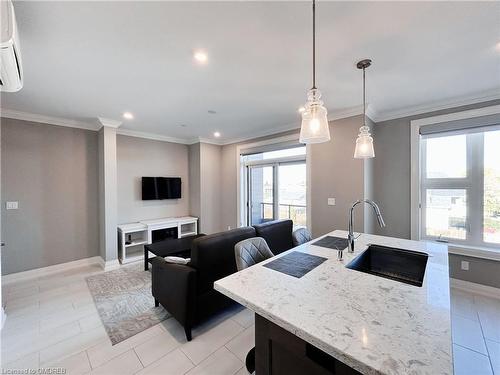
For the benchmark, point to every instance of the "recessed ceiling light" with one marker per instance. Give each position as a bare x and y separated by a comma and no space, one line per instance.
201,57
128,116
216,134
301,109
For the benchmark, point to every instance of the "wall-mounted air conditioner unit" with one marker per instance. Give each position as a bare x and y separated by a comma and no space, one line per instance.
11,70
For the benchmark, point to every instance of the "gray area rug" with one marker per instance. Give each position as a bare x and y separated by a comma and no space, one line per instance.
124,301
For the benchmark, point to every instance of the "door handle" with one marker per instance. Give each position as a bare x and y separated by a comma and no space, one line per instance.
2,244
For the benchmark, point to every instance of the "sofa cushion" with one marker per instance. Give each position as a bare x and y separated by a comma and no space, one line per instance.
278,234
213,255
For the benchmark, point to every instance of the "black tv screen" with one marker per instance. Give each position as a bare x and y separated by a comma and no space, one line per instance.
161,188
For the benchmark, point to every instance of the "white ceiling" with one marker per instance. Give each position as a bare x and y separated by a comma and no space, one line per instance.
88,59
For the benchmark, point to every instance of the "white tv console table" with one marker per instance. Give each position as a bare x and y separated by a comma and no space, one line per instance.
141,233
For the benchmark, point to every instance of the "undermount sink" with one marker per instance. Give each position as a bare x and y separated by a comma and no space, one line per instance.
405,266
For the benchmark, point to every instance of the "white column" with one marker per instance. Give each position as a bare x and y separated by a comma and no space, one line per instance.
108,192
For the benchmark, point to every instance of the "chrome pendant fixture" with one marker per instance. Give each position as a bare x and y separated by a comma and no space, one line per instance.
314,127
364,143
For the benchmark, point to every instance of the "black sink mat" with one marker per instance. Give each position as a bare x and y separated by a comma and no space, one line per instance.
295,264
336,243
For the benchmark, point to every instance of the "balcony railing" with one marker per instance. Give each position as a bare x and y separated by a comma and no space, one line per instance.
296,212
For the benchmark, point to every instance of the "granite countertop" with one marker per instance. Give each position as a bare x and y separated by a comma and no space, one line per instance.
373,324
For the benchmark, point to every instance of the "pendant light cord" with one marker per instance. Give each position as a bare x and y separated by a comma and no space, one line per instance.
364,99
314,44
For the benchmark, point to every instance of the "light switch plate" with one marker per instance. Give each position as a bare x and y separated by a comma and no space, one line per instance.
331,201
11,205
464,265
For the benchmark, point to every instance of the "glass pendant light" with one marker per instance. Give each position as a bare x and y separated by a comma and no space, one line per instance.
314,127
364,143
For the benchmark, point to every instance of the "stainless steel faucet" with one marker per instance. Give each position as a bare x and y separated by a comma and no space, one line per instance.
350,236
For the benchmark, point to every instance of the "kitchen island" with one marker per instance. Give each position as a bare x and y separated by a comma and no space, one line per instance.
338,320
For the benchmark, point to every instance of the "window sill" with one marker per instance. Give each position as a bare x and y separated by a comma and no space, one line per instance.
474,251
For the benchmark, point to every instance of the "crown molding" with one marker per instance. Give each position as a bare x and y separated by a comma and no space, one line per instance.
154,137
110,123
332,116
436,106
209,141
371,112
345,113
263,133
50,120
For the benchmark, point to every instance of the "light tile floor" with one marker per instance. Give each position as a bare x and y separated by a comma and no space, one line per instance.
52,322
476,333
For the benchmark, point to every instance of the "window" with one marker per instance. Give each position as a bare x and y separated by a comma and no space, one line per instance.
446,213
491,198
275,185
446,157
460,188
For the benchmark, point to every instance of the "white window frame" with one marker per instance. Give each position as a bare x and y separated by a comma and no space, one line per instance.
416,194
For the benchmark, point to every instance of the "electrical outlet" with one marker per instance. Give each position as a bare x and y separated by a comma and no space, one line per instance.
464,265
11,205
331,201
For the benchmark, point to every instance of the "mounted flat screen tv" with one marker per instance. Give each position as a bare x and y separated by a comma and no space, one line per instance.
161,188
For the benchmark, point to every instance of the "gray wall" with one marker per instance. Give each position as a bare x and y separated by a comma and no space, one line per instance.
481,271
138,157
336,174
52,172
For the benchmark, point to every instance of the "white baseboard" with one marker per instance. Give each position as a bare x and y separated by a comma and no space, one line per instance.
109,265
27,275
468,286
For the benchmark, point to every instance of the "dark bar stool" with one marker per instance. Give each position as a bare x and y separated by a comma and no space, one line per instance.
247,253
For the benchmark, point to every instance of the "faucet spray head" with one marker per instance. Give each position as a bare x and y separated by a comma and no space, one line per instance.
380,220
